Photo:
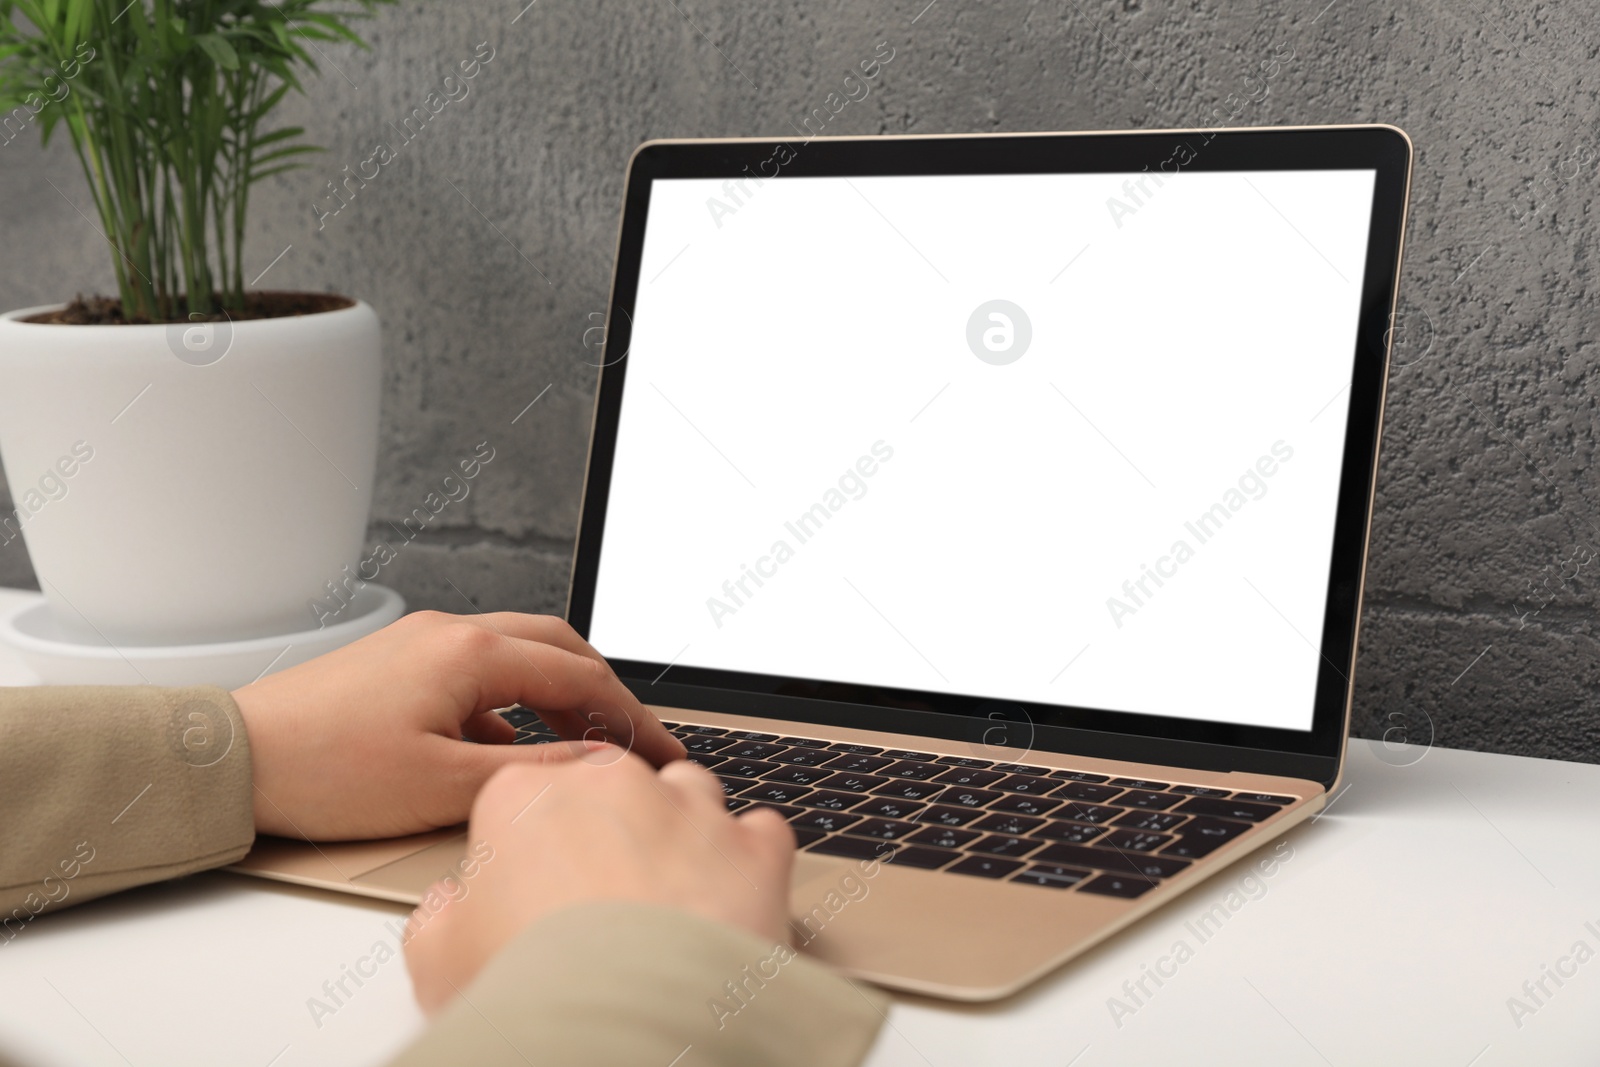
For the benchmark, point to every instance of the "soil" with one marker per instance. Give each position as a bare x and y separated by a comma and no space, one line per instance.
107,310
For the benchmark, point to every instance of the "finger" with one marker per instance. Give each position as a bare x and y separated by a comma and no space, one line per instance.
694,790
771,839
456,770
579,697
488,728
769,829
550,630
631,728
484,760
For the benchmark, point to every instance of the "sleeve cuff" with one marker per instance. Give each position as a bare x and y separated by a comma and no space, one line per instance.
615,982
115,787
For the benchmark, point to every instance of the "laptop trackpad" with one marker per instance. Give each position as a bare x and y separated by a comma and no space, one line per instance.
814,876
413,874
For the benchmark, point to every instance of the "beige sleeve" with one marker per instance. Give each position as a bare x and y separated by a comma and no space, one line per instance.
108,787
620,983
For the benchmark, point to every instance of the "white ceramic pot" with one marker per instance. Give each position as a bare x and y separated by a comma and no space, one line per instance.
190,482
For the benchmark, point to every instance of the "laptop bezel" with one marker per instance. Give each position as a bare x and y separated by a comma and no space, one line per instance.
1314,754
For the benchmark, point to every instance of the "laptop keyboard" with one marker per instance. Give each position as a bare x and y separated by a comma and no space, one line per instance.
1057,829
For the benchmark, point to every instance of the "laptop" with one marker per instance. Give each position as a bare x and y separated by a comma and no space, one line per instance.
994,507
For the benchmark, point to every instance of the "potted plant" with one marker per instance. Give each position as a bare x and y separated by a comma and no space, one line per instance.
190,461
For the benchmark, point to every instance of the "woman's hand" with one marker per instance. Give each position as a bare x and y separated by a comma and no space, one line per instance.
590,830
366,742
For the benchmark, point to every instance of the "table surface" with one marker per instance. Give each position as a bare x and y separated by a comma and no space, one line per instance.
1401,929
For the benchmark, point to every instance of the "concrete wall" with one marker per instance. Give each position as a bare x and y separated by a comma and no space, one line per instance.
486,245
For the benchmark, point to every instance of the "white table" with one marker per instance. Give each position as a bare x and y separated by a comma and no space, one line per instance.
1408,915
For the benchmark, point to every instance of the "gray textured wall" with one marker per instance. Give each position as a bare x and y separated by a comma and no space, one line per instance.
487,243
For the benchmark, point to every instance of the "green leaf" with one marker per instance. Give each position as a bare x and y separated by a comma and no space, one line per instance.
257,175
220,51
279,135
79,13
284,153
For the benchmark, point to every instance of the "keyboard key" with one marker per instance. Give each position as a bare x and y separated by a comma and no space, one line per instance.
1126,840
1005,845
1022,804
926,858
1138,783
706,759
912,769
944,837
830,800
969,776
803,742
1157,821
1051,875
824,821
796,775
731,786
860,750
854,783
1027,783
889,808
1204,835
1114,885
860,763
1073,833
745,768
752,735
526,738
709,730
944,815
520,716
755,750
1080,776
1106,859
1139,798
1021,768
906,753
802,757
707,743
804,836
887,829
786,810
1091,813
669,725
967,798
1199,791
1228,809
1088,791
1007,824
985,866
777,792
734,804
1263,798
536,727
909,790
964,761
856,848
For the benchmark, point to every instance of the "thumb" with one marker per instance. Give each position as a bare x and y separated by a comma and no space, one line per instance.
483,760
471,765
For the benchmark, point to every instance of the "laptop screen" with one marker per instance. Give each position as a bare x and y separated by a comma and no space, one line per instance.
1072,439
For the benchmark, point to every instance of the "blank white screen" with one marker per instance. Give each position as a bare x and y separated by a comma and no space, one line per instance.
1179,334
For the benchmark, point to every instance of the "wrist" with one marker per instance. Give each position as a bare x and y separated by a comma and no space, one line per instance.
268,819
